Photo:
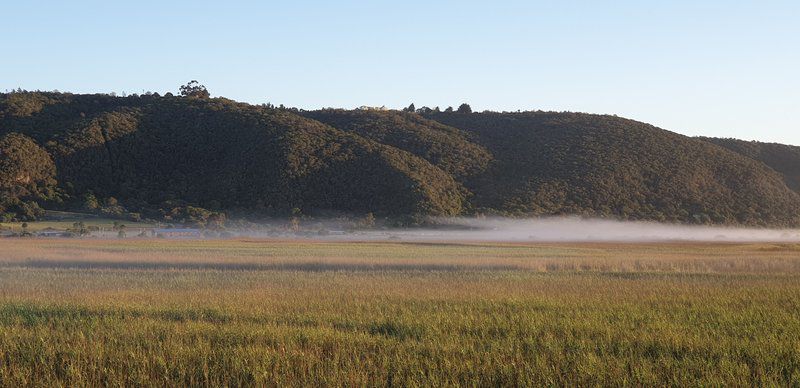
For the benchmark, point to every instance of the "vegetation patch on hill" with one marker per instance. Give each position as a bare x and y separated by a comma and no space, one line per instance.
151,156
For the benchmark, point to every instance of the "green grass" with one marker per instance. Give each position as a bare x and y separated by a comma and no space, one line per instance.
306,313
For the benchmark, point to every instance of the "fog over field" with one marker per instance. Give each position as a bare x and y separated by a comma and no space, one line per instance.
574,229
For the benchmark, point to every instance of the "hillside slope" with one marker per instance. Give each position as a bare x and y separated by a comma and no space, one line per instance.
446,147
156,151
572,163
170,156
27,176
785,159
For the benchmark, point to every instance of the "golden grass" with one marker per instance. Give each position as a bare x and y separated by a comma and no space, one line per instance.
254,312
306,255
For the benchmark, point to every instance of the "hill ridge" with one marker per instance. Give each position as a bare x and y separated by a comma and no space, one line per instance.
169,157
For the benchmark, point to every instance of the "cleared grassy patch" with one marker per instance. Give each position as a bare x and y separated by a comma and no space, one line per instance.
65,220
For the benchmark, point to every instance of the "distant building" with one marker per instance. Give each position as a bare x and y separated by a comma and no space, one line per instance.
178,233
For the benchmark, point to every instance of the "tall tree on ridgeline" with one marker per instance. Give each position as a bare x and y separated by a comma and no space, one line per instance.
194,89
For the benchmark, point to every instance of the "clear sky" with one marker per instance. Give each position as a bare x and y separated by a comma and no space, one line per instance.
719,68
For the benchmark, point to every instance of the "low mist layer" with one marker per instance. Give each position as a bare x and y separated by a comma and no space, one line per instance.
573,229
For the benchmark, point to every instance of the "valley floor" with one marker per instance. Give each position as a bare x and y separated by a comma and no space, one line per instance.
260,312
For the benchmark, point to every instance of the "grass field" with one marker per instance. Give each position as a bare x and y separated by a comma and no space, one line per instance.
217,313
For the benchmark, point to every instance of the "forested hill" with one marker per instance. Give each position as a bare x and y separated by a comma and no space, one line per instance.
195,158
785,159
600,165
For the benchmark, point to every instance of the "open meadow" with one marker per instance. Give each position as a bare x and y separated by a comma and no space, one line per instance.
260,312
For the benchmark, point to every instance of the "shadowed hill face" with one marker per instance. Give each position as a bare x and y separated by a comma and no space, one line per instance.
785,159
150,152
341,171
445,147
236,156
571,163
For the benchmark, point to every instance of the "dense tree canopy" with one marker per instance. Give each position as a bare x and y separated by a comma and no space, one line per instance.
785,159
156,154
194,158
27,175
448,148
549,163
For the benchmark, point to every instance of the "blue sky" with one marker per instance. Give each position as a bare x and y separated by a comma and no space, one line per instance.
717,68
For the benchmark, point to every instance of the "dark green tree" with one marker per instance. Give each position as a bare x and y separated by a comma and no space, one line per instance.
194,89
464,108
